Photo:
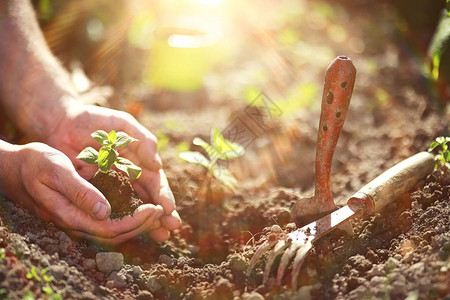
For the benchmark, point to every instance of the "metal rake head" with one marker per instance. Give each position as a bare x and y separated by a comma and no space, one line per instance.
293,246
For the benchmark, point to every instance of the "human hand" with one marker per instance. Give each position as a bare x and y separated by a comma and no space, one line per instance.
44,180
74,134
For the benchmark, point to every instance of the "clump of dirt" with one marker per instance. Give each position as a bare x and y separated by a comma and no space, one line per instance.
117,188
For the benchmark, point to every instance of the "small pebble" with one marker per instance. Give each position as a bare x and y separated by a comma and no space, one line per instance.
109,261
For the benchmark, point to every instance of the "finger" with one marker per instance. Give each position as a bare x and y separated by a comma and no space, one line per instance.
64,179
146,148
69,216
113,228
151,224
157,187
159,234
172,221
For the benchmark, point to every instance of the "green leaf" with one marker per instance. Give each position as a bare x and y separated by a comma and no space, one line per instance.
123,139
29,275
433,145
112,136
47,278
88,155
100,136
28,295
123,164
225,176
439,44
209,150
106,158
56,297
225,149
446,156
48,290
35,274
195,157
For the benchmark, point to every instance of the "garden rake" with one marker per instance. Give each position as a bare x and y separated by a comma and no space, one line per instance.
381,191
338,88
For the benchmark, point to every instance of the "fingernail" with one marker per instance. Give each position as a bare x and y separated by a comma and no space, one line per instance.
100,210
159,212
170,196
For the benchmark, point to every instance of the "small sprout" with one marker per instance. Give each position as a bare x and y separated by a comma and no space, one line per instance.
33,274
218,149
28,295
108,156
47,289
443,156
39,276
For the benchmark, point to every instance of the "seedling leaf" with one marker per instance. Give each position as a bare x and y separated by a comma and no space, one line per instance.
106,158
123,139
100,136
225,176
226,149
112,136
28,295
433,145
48,290
195,157
443,156
200,142
35,274
88,155
128,167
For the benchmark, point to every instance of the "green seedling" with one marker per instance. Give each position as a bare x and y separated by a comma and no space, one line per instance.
108,156
42,278
443,156
2,251
39,276
218,149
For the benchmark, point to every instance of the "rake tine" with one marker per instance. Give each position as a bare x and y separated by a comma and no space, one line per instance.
285,259
280,246
259,252
298,262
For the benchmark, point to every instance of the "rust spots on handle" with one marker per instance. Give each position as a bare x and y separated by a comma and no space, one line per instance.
337,92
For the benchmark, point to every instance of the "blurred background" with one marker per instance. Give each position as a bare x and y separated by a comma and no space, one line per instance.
184,66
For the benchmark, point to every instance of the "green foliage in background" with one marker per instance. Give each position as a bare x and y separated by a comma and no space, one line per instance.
440,45
218,149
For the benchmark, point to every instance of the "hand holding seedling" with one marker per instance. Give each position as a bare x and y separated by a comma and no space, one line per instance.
74,134
44,180
38,96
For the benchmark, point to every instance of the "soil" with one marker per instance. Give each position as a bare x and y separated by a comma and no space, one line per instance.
117,188
402,252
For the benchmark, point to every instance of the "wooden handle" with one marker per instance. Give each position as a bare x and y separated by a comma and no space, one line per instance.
337,92
387,187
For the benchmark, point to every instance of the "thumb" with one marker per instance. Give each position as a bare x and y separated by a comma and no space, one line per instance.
83,194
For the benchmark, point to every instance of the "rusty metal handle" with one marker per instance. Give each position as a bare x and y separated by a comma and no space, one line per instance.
388,186
337,92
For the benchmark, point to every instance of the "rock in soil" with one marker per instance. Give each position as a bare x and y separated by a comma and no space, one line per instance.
109,261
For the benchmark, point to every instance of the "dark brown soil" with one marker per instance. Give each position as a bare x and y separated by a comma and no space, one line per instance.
117,188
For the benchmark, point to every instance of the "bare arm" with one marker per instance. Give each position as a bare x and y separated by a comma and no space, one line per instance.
38,96
35,89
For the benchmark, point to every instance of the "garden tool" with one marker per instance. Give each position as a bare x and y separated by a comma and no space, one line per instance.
337,92
371,198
